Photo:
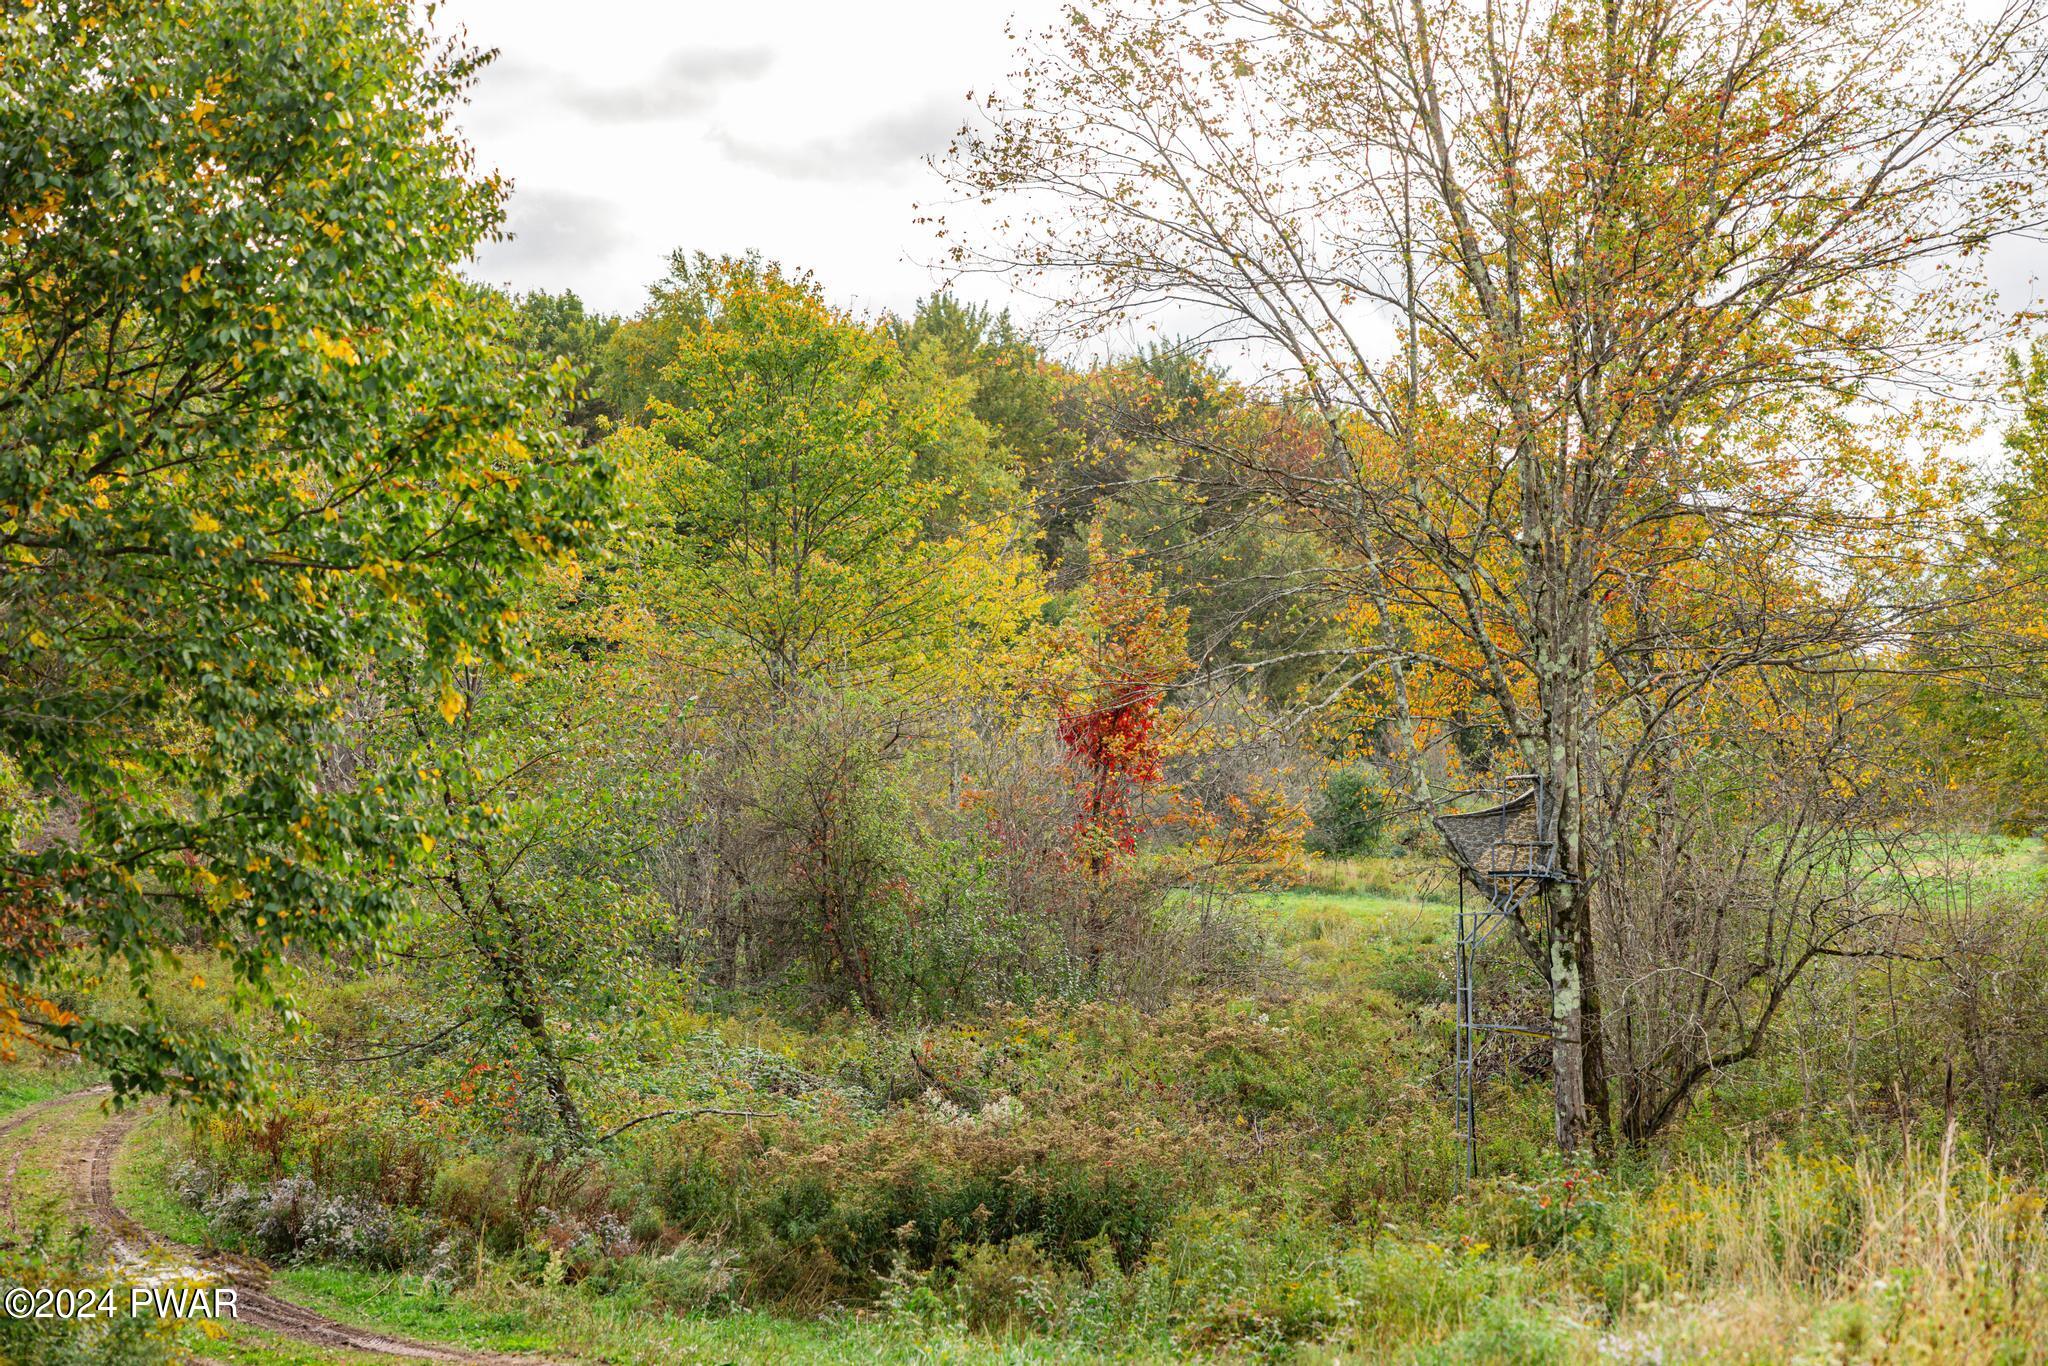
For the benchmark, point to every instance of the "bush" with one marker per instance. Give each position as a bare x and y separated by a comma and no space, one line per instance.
293,1220
1011,1288
826,1211
689,1278
902,1191
473,1193
90,1341
1503,1333
1350,814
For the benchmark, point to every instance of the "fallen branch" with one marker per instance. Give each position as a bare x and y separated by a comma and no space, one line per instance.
610,1134
395,1051
964,1097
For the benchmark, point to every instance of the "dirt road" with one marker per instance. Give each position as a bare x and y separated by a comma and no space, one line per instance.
83,1154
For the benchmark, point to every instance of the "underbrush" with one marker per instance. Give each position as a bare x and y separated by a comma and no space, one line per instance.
45,1261
1771,1258
1268,1176
824,1168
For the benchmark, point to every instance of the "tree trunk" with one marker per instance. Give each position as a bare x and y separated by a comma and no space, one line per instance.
1592,1026
1592,1023
497,931
852,956
1567,1023
554,1077
522,996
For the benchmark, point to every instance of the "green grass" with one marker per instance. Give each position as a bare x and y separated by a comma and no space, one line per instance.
499,1316
1405,878
1391,943
24,1084
407,1306
502,1317
242,1345
142,1184
42,1195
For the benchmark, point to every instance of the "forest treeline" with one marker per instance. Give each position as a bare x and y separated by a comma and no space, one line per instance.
945,677
893,663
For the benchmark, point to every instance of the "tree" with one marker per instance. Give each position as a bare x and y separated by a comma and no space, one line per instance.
557,328
257,443
1110,664
1222,546
1013,390
1591,306
531,909
1106,669
1993,721
1784,822
629,365
792,488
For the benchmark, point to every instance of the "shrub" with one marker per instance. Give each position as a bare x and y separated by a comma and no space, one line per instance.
1503,1333
43,1261
293,1220
1350,814
689,1278
473,1193
1011,1287
825,1213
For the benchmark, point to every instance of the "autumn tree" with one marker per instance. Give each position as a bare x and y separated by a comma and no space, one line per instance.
1105,669
258,442
557,329
1016,388
794,479
1162,427
1607,318
1112,662
1988,711
976,360
627,368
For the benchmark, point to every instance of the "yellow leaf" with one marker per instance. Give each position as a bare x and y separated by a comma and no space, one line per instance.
203,524
452,703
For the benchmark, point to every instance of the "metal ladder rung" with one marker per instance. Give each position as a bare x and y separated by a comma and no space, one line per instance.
1508,890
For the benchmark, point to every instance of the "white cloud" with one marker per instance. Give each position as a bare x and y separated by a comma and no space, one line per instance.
687,82
630,128
884,146
551,233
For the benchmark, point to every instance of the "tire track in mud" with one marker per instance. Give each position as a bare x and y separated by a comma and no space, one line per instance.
89,1168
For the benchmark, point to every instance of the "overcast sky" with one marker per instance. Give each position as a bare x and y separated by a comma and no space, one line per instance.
632,127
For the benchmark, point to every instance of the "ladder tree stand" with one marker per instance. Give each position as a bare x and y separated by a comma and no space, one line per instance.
1506,853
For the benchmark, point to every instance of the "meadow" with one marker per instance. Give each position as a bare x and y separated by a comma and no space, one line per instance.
1268,1176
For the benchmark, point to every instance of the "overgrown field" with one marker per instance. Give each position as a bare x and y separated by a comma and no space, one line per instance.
1268,1175
789,821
